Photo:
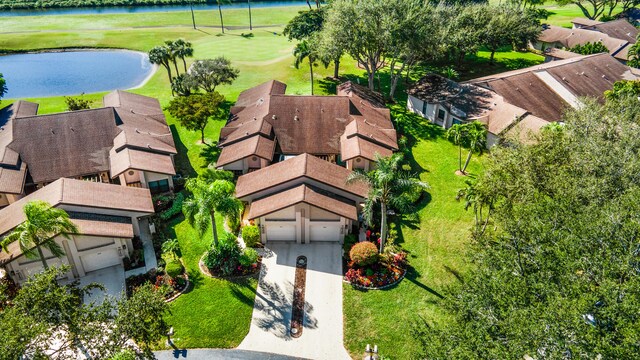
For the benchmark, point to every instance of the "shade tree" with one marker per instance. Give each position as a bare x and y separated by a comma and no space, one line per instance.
195,111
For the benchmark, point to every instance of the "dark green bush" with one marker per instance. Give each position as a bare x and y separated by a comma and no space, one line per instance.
175,208
251,235
174,268
364,253
224,258
349,241
249,257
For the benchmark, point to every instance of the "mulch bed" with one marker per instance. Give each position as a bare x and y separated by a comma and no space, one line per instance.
205,270
297,315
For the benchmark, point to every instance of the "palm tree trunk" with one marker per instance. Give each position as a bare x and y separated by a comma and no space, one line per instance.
383,226
193,18
311,71
460,157
184,62
221,21
466,163
175,65
214,229
41,254
250,22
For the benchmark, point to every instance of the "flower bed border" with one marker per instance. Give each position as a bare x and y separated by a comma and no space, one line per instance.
404,273
186,287
204,270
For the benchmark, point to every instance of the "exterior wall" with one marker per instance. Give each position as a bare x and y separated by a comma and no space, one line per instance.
130,176
427,111
74,248
492,140
254,162
151,176
251,162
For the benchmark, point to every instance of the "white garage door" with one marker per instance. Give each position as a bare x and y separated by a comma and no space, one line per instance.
100,260
324,232
281,232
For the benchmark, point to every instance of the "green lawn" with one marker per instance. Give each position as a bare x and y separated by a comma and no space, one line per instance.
217,313
436,246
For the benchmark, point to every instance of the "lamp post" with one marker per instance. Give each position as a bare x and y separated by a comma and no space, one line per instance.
371,354
169,335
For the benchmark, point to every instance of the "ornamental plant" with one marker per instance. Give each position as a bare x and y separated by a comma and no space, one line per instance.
223,258
251,235
364,253
174,268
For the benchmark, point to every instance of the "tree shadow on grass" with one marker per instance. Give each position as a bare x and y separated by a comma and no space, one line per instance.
413,275
182,158
211,153
195,280
237,286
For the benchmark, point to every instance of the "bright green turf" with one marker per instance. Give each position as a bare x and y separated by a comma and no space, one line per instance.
217,313
436,247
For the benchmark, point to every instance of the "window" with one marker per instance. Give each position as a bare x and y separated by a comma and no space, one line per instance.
159,186
457,121
424,108
441,114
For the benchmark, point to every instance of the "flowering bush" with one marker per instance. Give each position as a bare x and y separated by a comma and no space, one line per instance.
364,253
386,270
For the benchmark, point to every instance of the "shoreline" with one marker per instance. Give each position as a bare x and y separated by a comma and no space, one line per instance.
152,72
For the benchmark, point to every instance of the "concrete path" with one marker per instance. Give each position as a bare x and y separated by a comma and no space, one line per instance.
112,278
218,354
322,336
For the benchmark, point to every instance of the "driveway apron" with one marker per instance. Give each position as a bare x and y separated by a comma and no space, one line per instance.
322,335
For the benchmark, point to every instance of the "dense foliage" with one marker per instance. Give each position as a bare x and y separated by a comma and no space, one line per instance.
589,48
363,253
224,257
46,316
77,103
3,86
174,268
36,4
194,111
251,235
557,275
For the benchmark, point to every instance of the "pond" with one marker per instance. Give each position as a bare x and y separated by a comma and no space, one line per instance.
142,9
73,72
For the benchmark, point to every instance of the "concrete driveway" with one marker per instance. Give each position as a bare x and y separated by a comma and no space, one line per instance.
112,278
322,336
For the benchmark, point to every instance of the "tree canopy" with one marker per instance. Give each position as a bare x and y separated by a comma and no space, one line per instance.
589,48
3,86
210,73
194,111
557,273
47,320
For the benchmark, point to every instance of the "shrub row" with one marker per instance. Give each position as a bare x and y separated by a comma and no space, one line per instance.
40,4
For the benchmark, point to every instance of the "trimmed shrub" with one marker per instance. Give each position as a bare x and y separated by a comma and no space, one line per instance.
251,235
249,257
364,253
174,268
224,258
175,209
349,241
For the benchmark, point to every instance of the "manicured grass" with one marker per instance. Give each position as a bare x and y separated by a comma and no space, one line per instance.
436,246
505,59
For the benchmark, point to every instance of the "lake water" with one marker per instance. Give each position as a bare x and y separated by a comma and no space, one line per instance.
73,72
143,9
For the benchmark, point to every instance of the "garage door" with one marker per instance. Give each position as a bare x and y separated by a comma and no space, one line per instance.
281,232
100,260
324,232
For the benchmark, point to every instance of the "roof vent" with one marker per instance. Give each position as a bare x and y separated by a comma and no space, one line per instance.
296,118
246,133
274,117
149,146
132,111
582,73
254,119
564,78
74,130
53,132
137,131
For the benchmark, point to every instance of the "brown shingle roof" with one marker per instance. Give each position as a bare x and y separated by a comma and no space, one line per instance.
80,193
139,160
572,37
367,130
619,29
585,21
301,194
301,166
355,146
560,54
255,145
524,130
103,228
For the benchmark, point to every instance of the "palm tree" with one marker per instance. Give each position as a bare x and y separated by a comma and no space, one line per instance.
476,138
304,51
209,198
171,248
184,50
160,55
43,223
250,22
173,49
456,134
387,184
220,11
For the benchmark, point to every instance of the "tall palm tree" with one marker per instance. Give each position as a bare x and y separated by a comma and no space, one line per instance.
209,198
387,184
184,50
304,50
456,134
159,55
250,21
476,138
174,53
220,11
43,223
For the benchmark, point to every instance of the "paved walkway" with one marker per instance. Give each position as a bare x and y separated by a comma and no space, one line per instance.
218,354
322,336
